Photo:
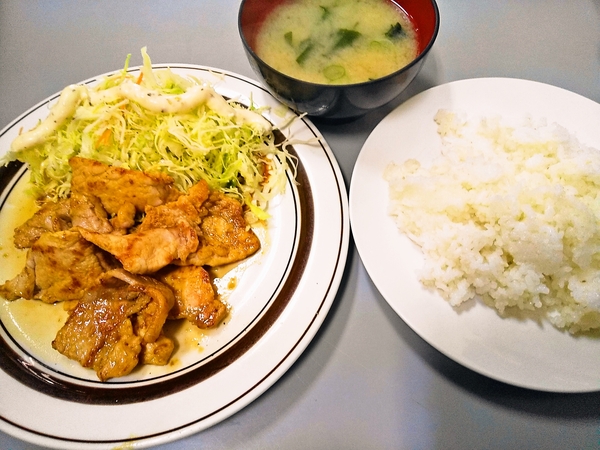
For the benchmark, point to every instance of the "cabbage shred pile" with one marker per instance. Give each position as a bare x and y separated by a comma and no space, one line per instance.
237,158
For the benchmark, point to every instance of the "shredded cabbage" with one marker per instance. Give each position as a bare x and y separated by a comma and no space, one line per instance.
221,142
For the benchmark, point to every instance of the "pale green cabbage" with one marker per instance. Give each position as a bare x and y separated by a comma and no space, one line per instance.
237,158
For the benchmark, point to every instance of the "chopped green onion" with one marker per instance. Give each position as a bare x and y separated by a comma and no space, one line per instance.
381,46
306,47
334,72
288,37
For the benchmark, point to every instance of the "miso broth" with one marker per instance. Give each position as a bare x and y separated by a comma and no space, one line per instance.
337,41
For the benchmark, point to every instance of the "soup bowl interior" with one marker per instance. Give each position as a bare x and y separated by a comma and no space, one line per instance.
337,102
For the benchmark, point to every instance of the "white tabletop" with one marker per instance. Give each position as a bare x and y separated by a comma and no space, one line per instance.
366,381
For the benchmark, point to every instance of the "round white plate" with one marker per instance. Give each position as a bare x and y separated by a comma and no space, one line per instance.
280,302
519,352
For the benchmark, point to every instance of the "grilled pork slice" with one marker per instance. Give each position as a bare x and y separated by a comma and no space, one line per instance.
195,298
145,252
79,210
151,320
224,236
168,232
60,266
116,186
188,207
116,323
199,228
158,352
87,212
52,216
23,285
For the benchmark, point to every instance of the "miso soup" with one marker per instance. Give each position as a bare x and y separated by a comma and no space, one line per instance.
337,41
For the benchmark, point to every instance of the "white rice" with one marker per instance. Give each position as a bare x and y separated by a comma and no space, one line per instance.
509,212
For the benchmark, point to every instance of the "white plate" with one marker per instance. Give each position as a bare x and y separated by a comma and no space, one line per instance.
521,353
279,304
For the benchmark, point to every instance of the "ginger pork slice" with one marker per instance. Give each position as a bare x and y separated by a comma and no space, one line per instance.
52,216
168,232
116,186
195,297
88,213
60,266
145,252
224,236
118,324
